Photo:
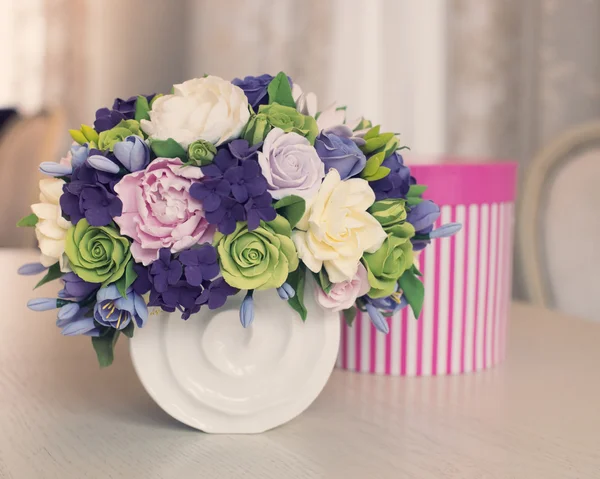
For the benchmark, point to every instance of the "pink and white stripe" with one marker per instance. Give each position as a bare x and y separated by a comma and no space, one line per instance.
462,327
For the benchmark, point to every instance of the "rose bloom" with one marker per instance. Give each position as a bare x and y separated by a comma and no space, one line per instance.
336,229
158,211
343,295
290,165
209,108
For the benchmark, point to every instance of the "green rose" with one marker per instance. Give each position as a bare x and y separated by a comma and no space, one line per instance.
97,254
201,153
259,259
289,119
387,264
125,128
257,128
391,214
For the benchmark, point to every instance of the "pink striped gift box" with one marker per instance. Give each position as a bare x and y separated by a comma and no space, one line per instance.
462,327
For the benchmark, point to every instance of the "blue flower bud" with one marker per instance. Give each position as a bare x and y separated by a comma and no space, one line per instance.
79,154
247,311
42,304
445,231
55,169
63,294
68,311
286,292
377,319
133,153
31,269
102,163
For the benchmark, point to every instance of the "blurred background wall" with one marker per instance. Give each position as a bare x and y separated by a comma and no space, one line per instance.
492,79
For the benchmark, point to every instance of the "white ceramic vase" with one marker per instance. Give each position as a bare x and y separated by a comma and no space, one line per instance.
214,375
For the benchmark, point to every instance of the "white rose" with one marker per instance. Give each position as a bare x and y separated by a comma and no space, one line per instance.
290,165
336,229
209,108
51,229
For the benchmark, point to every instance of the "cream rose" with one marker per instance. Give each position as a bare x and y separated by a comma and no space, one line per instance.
51,228
336,229
209,108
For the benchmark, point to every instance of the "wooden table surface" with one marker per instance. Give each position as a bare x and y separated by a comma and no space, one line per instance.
536,416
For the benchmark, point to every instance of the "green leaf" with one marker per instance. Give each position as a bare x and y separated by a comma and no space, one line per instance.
280,91
375,143
142,108
53,273
168,149
413,290
382,172
416,190
372,165
372,133
296,280
415,270
413,200
291,208
125,281
129,329
324,281
350,315
154,98
29,220
104,347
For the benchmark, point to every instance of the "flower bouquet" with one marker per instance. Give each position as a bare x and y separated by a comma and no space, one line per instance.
177,202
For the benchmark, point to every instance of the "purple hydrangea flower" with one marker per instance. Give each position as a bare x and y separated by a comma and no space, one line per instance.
423,216
91,195
337,150
255,88
121,110
185,281
77,288
115,311
234,188
396,183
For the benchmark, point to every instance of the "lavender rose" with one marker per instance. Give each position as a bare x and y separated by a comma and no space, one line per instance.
255,88
290,165
158,211
337,150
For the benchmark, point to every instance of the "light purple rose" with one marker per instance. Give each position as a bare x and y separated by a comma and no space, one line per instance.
290,165
339,149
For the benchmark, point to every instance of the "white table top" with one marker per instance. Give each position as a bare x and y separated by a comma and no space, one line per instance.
536,416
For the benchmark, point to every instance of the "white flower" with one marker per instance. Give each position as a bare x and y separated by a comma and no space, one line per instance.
51,228
336,229
209,108
290,165
332,116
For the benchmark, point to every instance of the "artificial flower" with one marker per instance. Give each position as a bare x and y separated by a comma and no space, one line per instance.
158,210
391,214
208,108
76,288
343,295
255,88
289,120
234,189
82,323
388,263
422,217
258,259
116,311
133,153
336,229
397,183
337,150
121,110
290,165
201,153
97,254
90,194
124,129
331,116
257,129
51,228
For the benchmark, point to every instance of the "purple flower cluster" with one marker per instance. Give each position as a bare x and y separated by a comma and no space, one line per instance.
90,194
234,188
121,110
397,183
184,282
76,288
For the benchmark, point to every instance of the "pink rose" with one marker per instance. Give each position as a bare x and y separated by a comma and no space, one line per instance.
343,295
158,211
